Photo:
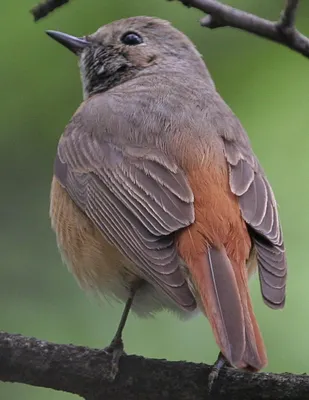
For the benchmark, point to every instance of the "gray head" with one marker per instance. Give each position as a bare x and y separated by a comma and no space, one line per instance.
128,48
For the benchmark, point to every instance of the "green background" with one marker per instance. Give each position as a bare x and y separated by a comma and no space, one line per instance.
266,85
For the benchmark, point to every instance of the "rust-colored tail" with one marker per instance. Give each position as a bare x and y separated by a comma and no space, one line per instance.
224,294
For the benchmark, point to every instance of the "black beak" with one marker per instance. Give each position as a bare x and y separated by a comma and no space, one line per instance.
72,43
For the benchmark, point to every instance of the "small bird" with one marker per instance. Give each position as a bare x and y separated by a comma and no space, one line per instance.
157,198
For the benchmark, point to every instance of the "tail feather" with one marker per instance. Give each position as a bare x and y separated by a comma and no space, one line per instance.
221,300
224,293
255,353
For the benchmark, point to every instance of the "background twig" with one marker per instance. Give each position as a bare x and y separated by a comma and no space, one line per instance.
223,15
43,9
288,15
84,371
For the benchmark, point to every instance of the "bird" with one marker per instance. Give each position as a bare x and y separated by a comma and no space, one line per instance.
157,198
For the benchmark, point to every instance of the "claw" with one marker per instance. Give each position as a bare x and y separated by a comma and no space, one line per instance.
218,365
116,350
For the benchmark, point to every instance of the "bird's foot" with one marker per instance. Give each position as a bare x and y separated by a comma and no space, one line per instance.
218,365
116,350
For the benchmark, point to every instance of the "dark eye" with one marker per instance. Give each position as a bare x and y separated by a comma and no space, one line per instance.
131,38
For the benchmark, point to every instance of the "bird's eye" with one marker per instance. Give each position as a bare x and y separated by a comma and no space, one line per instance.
131,39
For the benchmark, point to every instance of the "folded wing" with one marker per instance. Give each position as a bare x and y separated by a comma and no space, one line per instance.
138,198
259,210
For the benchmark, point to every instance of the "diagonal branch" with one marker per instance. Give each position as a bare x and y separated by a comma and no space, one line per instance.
282,31
41,10
84,371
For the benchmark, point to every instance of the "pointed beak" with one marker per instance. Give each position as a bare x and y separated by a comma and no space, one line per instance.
73,43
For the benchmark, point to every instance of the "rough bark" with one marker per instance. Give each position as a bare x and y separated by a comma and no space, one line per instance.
85,372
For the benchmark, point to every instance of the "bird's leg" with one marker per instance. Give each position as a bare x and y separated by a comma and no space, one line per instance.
218,365
116,348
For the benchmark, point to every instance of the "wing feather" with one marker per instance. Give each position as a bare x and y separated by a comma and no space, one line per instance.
259,210
138,198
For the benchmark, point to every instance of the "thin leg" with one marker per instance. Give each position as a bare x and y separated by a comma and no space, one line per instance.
218,365
116,348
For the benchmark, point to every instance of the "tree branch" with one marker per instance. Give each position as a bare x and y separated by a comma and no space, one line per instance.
84,371
282,31
43,9
288,15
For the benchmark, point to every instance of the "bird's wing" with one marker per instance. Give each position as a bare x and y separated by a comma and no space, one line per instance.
138,198
259,210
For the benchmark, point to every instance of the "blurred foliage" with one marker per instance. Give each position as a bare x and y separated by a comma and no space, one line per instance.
267,87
